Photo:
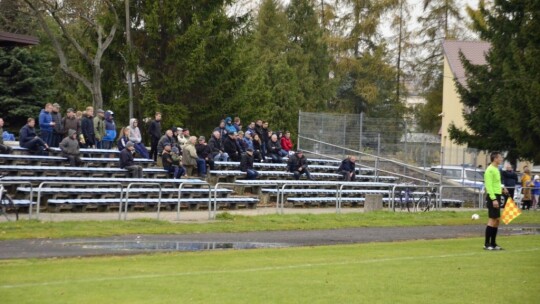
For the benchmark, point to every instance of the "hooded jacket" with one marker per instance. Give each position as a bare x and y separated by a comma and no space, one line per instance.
110,127
134,132
229,127
70,146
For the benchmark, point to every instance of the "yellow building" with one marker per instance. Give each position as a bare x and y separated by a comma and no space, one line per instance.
452,108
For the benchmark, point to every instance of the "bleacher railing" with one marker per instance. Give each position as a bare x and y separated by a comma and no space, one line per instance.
194,183
127,198
31,198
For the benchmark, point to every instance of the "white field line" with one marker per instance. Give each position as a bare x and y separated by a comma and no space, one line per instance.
257,269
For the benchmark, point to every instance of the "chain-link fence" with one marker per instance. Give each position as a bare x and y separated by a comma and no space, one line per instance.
335,135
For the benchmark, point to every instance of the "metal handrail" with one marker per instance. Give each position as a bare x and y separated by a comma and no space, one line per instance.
216,186
31,193
140,184
201,183
38,205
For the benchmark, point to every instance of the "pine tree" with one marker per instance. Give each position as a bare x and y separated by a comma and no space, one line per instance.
503,96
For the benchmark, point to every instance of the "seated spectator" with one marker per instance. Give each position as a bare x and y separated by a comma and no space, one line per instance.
231,147
242,146
123,138
237,124
127,162
205,152
298,165
29,140
167,139
286,143
216,146
248,143
136,138
191,159
347,169
221,129
4,149
183,137
70,149
246,164
229,127
273,149
110,130
259,156
171,164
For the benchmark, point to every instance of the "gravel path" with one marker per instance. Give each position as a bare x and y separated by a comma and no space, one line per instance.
48,248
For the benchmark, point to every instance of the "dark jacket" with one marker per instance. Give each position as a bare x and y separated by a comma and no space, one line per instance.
347,165
242,145
203,151
121,143
230,146
167,160
126,158
87,129
259,131
163,141
155,129
222,132
57,119
71,123
215,145
246,162
509,178
70,146
273,147
295,162
26,134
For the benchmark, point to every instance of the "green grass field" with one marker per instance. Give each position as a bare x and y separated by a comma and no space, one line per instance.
439,271
238,223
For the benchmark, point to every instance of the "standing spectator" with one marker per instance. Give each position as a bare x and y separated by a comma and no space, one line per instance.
221,129
155,135
110,130
87,129
80,114
205,152
237,124
536,191
136,138
58,129
4,149
510,181
99,128
70,149
170,164
526,184
127,162
231,148
298,165
191,159
123,138
347,168
251,128
216,146
259,128
46,124
286,143
246,164
29,140
71,122
274,149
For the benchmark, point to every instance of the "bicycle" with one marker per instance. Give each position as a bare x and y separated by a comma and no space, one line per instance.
406,200
7,207
427,201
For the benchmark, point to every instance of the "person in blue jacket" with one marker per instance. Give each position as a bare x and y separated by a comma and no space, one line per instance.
46,124
28,139
110,130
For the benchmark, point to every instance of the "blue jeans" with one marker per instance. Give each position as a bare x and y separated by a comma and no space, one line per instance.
221,157
47,137
251,174
201,166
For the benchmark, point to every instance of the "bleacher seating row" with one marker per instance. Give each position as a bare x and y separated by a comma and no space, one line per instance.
34,160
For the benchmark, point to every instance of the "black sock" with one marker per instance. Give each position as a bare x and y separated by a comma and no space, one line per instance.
488,235
494,236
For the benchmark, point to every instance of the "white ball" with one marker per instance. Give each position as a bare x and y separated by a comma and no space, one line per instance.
475,216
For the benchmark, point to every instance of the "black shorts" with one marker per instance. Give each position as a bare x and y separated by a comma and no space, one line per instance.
493,213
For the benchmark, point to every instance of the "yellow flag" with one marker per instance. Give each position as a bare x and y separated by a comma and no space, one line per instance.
511,211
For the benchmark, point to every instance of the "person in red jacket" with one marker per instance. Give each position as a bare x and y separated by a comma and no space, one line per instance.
286,143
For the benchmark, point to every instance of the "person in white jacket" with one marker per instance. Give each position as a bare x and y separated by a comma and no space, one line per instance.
136,138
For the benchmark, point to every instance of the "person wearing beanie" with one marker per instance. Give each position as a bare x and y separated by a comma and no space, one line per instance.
127,161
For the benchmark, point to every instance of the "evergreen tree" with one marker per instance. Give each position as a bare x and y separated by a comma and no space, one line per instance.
25,85
502,97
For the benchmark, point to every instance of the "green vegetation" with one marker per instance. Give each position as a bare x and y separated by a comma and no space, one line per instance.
440,271
236,223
